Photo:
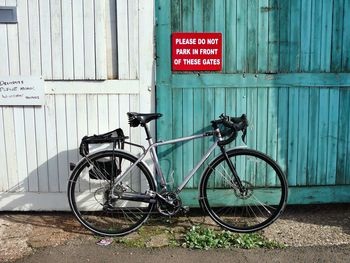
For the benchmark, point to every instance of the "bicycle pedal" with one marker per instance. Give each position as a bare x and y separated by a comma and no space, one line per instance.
185,209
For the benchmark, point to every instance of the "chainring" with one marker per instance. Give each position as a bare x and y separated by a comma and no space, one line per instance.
171,205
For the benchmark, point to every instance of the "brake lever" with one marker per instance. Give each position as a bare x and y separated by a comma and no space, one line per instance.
244,135
224,117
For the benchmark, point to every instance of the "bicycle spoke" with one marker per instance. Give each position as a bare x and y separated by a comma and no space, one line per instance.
262,204
95,169
96,200
247,209
225,178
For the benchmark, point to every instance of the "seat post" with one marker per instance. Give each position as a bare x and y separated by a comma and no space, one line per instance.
148,133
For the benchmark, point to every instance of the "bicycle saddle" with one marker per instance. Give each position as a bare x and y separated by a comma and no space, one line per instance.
135,118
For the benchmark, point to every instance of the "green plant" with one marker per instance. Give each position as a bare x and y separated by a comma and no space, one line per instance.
199,237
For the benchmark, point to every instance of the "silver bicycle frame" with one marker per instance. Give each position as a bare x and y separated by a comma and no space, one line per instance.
152,150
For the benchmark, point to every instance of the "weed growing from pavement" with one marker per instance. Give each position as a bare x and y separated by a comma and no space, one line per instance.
196,237
199,237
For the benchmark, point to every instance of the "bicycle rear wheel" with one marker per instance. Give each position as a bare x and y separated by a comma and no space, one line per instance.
262,201
90,187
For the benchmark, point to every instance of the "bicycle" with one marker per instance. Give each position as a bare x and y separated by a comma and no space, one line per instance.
113,192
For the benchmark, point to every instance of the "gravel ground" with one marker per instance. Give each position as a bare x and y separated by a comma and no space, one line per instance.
23,234
318,225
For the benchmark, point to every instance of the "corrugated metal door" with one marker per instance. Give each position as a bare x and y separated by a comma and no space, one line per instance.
286,63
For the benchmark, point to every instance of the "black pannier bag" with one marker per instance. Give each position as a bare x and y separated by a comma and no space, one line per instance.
103,169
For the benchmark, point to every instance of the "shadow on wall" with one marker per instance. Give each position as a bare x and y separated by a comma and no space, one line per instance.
44,189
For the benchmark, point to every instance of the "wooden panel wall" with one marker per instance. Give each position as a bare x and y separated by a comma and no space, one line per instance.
271,36
285,64
72,40
66,41
305,130
37,143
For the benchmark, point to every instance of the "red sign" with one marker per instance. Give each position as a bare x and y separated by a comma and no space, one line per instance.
196,51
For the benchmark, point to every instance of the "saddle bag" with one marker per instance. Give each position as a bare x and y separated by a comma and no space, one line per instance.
103,169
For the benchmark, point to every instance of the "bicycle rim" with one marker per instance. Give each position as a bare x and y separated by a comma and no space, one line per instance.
89,193
262,201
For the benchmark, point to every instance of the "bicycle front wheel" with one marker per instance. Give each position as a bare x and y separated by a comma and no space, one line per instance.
252,208
90,187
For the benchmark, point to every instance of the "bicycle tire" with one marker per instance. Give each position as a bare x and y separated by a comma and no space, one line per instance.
260,205
89,187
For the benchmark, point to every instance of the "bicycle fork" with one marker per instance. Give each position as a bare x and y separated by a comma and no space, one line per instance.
237,181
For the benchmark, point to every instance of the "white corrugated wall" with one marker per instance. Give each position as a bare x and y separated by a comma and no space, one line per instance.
97,61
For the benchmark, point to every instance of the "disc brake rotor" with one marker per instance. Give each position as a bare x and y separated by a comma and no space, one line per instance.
246,193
